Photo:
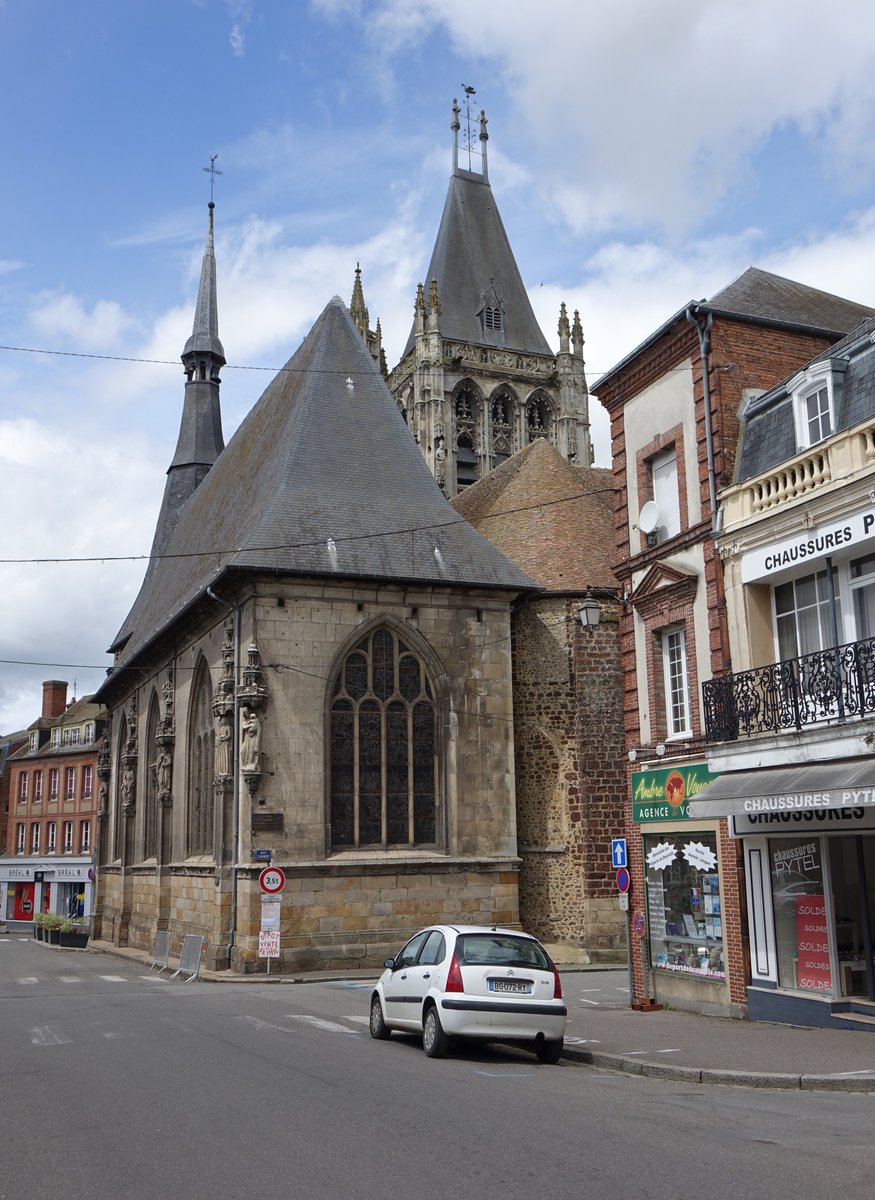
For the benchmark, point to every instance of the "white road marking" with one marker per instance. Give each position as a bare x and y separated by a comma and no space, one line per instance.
583,990
27,979
113,978
44,1035
156,978
319,1023
257,1023
673,1050
634,1052
70,978
359,1020
594,1003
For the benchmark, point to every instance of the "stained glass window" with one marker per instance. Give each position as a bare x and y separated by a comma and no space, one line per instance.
383,746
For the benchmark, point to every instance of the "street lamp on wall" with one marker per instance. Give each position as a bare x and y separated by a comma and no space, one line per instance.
589,612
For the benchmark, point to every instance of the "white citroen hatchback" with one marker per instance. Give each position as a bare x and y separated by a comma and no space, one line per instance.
472,981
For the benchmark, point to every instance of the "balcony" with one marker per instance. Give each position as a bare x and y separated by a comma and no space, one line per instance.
832,685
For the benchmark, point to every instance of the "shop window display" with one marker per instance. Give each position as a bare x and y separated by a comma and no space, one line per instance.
683,904
801,933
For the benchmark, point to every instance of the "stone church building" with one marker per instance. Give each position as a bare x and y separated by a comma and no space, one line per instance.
319,661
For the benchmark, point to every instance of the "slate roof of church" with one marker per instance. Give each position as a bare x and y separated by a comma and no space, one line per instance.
769,429
552,519
471,251
759,297
322,478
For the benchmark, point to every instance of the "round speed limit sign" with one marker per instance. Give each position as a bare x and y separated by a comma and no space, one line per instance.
272,880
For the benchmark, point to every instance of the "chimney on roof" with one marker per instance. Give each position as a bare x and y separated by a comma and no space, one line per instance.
54,697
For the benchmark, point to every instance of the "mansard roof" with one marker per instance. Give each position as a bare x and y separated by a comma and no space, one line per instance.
769,429
552,519
472,252
321,479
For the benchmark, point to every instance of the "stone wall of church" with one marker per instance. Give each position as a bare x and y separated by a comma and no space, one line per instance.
570,778
364,902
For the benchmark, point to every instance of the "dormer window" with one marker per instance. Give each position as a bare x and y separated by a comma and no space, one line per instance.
491,314
492,317
89,732
34,740
56,736
816,392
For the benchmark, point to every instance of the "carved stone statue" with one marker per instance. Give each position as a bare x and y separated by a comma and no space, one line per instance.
129,783
223,746
250,740
165,771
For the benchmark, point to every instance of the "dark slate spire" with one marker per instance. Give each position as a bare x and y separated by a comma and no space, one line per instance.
200,431
472,261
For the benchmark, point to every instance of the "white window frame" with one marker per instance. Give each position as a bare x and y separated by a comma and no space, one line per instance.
68,837
69,779
54,783
34,740
89,732
22,788
676,684
56,736
808,384
87,781
34,838
665,479
37,786
20,838
51,837
84,837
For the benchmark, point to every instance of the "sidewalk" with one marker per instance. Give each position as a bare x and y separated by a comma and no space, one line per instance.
668,1044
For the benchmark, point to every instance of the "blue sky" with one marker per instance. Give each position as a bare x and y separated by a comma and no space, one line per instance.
642,154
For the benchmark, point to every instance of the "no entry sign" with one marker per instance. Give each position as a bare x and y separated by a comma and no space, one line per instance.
271,880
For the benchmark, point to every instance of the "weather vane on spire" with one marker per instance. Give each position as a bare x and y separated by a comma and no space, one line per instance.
469,121
212,170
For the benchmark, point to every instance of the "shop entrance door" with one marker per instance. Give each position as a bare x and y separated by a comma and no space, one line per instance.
852,871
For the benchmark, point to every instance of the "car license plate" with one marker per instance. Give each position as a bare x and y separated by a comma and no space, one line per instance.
520,986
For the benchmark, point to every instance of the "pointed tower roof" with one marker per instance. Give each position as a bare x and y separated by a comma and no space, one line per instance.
200,440
553,520
321,479
471,255
205,333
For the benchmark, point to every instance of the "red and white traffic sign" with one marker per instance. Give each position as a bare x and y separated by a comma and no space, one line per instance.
271,880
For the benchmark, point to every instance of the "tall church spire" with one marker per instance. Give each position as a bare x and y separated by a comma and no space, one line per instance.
200,439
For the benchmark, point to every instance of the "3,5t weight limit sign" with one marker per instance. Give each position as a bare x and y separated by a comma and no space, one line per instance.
272,880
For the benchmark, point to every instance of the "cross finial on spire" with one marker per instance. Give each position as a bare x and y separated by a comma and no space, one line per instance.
212,170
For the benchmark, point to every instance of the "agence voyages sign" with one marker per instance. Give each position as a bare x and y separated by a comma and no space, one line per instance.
664,795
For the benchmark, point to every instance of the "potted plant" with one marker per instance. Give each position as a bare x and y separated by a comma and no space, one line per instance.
72,933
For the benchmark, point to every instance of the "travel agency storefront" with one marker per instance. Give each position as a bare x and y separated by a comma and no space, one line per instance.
33,885
808,838
685,897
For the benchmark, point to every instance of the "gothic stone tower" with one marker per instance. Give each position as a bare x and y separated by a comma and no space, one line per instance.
477,380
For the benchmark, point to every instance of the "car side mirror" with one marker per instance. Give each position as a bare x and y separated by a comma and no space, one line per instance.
389,964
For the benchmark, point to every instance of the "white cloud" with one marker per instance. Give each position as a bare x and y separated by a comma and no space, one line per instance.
63,321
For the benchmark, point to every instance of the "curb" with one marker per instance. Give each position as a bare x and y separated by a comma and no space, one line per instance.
769,1080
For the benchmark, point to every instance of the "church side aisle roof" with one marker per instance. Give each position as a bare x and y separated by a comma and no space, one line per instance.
471,251
321,479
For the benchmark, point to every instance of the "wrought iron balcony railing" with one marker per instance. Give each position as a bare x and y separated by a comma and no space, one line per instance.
831,685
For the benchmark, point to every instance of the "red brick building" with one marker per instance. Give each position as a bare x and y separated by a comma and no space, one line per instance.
674,403
53,804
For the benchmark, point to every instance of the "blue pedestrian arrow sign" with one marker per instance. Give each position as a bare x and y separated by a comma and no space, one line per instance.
618,852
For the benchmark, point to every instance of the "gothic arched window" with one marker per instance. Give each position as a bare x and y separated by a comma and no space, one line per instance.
502,404
383,748
201,751
467,405
150,807
539,418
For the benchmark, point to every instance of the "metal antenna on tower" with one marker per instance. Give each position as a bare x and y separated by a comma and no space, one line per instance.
212,170
469,135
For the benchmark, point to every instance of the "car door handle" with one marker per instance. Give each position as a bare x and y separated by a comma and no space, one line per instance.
427,975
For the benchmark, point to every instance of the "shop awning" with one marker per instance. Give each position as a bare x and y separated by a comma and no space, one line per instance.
848,784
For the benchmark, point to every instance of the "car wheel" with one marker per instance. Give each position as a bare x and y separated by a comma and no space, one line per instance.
434,1041
379,1029
549,1052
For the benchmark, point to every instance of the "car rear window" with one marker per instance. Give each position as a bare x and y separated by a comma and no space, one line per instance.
494,949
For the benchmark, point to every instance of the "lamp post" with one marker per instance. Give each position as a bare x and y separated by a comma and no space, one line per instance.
589,612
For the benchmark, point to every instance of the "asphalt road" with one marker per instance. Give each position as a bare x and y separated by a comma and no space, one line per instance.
117,1083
